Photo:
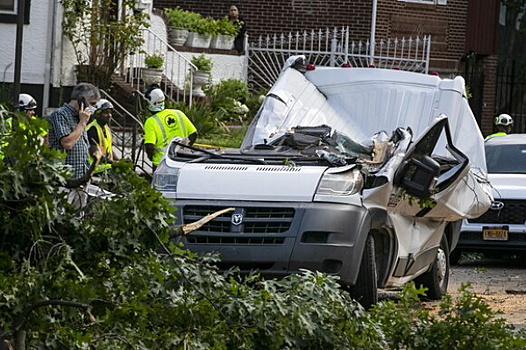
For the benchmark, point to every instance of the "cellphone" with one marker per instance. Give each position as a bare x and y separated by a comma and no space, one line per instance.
82,102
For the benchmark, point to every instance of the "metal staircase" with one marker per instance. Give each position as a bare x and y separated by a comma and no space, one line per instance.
127,126
178,71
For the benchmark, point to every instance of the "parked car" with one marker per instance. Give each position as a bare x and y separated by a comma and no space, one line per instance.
502,229
361,173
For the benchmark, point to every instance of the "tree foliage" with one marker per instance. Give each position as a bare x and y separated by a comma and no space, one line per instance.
107,277
103,34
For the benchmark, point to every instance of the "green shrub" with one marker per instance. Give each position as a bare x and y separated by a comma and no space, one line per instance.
179,18
227,89
191,21
202,62
464,323
204,118
229,95
154,61
225,27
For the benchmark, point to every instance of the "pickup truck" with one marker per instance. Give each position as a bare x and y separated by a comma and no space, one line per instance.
361,173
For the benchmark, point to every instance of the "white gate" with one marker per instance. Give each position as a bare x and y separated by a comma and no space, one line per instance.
332,48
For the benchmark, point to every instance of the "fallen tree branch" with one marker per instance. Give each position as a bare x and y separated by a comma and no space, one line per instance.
79,181
183,230
21,320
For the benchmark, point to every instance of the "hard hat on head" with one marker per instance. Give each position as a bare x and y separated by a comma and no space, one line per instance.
504,120
155,99
26,102
103,105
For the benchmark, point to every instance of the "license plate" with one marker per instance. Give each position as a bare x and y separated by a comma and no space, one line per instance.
495,234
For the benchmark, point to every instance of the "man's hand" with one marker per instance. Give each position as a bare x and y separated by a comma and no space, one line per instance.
84,114
97,152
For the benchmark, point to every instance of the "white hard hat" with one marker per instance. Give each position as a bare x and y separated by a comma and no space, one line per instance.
103,104
26,102
155,100
504,120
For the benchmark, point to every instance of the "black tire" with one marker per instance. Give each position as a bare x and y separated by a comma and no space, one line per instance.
455,256
365,291
437,278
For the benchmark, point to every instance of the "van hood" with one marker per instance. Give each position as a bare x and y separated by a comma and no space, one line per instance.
509,186
248,182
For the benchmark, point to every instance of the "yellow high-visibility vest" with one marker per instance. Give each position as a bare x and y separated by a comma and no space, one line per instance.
500,133
105,143
166,125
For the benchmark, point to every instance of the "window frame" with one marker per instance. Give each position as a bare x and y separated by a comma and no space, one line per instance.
11,17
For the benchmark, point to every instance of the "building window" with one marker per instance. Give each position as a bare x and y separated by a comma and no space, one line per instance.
9,11
430,2
8,6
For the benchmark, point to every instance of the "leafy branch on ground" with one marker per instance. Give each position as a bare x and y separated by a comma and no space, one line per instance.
98,278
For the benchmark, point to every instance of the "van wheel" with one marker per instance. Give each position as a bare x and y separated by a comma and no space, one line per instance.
437,278
365,291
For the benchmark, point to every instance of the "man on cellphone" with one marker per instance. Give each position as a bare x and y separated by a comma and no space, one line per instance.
67,130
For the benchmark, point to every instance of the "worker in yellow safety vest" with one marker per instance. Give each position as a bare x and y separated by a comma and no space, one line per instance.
503,124
163,126
99,134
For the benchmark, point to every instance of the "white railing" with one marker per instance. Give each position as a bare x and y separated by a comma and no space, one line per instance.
127,131
332,47
178,71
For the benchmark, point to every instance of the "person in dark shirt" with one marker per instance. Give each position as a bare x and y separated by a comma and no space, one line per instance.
239,22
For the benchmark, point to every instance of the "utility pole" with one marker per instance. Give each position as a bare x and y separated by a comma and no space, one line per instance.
18,49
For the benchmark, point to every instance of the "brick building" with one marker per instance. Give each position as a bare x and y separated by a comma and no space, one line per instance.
463,31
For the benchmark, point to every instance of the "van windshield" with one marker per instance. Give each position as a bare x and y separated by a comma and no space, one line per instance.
502,159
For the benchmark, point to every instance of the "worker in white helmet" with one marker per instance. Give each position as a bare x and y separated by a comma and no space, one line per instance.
163,126
503,124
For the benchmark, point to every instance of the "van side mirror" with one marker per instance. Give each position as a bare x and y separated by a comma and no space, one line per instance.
418,176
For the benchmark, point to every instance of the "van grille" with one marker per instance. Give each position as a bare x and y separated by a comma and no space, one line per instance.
234,240
513,212
260,222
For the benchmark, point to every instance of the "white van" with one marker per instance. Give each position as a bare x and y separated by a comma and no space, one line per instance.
362,173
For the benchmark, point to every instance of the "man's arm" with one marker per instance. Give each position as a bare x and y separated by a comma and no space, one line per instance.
149,148
149,137
93,138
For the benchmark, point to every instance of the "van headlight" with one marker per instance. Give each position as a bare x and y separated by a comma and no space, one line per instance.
165,178
341,184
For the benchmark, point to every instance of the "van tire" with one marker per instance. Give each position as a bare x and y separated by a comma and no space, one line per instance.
437,278
365,291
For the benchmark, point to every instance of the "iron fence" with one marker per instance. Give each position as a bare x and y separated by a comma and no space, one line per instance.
511,93
332,47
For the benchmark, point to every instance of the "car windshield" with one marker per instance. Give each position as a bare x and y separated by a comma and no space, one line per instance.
506,158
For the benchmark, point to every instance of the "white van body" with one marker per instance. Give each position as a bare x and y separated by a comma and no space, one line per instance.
357,172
